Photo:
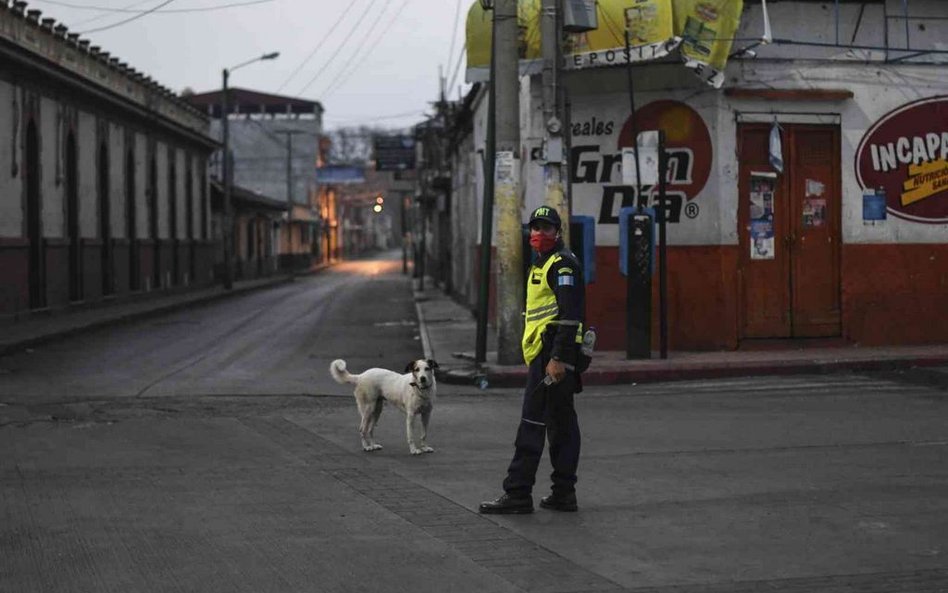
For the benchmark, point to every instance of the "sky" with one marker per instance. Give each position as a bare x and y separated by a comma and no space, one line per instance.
369,62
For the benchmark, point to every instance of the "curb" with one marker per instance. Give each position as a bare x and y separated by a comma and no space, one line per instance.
515,377
423,329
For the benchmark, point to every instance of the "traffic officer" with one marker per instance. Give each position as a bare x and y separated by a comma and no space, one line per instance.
552,336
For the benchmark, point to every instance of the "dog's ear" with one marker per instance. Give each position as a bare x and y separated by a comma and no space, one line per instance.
410,367
433,363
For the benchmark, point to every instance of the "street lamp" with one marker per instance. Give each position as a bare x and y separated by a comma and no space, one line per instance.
226,172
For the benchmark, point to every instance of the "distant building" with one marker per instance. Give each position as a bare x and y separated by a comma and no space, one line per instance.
103,173
274,141
256,221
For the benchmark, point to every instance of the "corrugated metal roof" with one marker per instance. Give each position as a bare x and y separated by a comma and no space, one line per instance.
248,101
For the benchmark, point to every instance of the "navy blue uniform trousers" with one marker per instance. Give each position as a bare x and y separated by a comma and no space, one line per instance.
548,412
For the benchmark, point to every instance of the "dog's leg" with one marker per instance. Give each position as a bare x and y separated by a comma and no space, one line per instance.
364,429
367,425
375,412
425,417
410,429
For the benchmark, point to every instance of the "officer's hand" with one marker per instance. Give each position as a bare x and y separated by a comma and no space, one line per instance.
556,369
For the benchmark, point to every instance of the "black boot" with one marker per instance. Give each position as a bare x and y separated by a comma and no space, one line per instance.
560,502
508,504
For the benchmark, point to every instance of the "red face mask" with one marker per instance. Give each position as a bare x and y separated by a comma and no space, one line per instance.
542,242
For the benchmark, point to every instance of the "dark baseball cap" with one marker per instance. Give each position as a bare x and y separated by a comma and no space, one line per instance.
546,214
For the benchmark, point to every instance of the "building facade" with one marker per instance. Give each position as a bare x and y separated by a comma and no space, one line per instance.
847,240
103,190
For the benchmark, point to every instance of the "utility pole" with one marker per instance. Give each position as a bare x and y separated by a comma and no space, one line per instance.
226,166
289,191
551,33
510,280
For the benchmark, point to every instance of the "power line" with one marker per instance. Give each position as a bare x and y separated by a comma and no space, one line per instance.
454,34
129,9
128,20
358,49
381,117
346,73
106,15
457,67
338,49
318,45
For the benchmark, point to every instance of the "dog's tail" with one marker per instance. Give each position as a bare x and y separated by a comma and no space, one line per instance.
338,371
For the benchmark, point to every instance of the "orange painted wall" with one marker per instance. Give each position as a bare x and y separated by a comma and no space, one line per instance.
895,294
702,299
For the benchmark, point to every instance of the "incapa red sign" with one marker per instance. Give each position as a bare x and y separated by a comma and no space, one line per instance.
906,154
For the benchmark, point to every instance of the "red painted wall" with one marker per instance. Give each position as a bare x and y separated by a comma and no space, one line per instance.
895,294
891,295
702,299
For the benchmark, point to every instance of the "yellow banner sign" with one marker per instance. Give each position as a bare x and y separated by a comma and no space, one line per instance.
707,28
479,36
704,28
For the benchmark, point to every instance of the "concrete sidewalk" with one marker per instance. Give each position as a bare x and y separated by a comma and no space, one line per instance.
449,333
33,329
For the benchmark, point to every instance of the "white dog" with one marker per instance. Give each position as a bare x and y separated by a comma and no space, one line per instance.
413,393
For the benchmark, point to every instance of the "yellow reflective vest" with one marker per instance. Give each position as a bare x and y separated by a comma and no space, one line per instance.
542,310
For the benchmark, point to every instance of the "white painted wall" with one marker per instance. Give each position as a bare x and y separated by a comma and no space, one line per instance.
141,183
52,171
161,164
116,181
11,187
878,89
86,152
52,140
195,195
179,192
816,22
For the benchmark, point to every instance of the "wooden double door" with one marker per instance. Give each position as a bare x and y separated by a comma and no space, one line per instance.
789,227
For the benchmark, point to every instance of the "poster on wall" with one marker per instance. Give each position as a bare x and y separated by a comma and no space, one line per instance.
814,204
761,215
601,130
873,206
903,158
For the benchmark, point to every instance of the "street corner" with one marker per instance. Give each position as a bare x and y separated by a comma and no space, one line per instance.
460,374
467,372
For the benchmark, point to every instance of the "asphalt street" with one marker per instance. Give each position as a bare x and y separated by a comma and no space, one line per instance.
209,450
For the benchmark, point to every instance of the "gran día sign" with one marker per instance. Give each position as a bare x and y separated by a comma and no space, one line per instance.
598,137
